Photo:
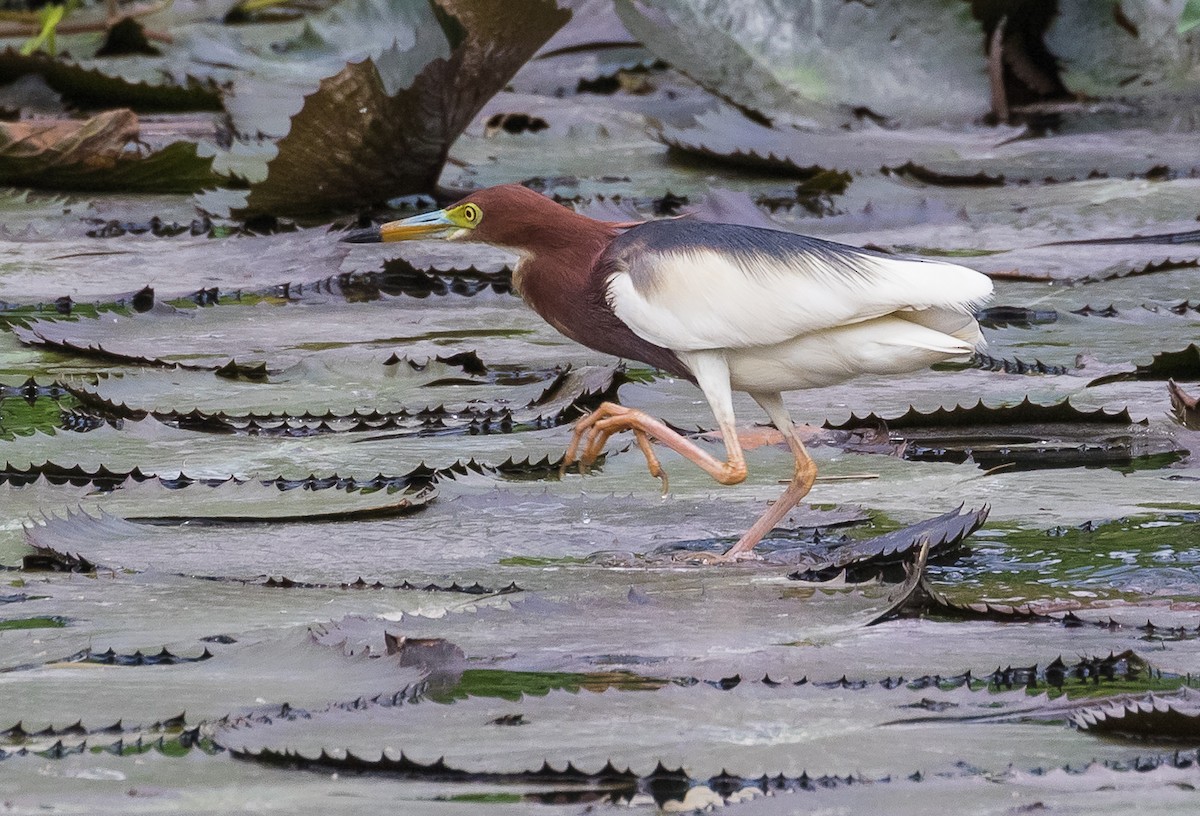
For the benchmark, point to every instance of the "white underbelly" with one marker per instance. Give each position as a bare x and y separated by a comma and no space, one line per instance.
886,345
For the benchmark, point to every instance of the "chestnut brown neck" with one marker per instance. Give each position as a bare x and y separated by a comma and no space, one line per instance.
563,274
553,274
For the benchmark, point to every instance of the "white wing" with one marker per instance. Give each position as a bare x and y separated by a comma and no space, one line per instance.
690,286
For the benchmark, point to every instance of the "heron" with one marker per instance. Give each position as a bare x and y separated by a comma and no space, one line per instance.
726,307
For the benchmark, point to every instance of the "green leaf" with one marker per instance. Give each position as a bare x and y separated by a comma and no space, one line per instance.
51,17
1190,18
53,622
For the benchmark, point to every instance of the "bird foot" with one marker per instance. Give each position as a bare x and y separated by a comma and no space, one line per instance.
594,431
710,559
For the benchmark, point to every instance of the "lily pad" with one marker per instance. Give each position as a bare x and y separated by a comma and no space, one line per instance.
252,502
979,414
953,155
279,335
1162,719
400,150
437,396
265,670
89,86
936,537
1183,364
817,60
1123,49
362,736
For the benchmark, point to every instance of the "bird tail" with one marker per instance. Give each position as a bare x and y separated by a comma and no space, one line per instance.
938,284
951,323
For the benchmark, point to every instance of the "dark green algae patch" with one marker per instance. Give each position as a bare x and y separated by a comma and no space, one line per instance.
514,685
45,414
45,622
1085,678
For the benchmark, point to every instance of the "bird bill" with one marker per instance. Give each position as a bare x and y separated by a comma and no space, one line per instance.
436,224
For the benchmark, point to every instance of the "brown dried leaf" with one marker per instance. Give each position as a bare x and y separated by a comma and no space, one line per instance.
94,154
98,141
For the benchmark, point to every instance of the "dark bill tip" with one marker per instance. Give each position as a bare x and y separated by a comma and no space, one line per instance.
369,235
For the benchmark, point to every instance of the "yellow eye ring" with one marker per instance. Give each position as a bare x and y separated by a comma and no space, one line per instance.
472,213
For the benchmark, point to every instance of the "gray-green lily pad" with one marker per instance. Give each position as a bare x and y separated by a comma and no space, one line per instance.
383,394
807,61
91,86
253,502
954,154
279,335
1161,718
731,720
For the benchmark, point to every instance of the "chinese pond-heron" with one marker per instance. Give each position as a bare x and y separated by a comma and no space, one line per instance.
728,307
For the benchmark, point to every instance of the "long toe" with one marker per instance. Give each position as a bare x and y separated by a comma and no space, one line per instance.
713,559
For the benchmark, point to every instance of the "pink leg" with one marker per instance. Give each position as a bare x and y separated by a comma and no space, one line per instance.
797,489
802,479
611,418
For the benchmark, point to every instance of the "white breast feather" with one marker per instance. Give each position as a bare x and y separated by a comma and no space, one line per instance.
702,299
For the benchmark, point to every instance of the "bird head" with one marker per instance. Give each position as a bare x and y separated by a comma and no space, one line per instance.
508,215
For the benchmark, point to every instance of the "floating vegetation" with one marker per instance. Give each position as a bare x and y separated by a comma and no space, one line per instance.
287,522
